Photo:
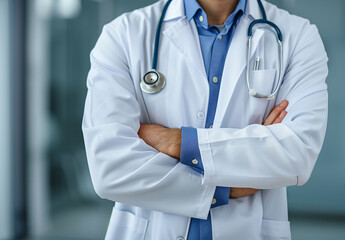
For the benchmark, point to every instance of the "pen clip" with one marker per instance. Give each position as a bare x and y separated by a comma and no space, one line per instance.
257,64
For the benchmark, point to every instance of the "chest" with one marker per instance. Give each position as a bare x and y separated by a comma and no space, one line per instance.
185,97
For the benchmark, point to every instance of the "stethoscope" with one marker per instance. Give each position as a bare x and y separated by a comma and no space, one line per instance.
154,81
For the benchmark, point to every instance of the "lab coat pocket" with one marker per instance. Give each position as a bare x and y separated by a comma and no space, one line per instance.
275,230
126,226
263,81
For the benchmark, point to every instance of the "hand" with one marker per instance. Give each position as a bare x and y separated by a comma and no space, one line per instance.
163,139
241,192
276,116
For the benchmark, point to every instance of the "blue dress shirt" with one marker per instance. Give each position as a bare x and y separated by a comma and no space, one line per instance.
214,42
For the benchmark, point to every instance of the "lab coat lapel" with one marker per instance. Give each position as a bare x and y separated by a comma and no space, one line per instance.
235,64
184,36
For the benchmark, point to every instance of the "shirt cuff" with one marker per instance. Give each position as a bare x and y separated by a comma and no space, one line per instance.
190,153
221,197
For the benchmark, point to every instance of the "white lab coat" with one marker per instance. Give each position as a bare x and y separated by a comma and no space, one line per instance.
156,195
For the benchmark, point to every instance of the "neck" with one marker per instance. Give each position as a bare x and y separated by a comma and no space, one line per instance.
218,10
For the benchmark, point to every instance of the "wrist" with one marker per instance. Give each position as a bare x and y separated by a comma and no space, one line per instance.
174,146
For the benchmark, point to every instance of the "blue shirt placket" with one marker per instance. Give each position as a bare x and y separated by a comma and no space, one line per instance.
214,46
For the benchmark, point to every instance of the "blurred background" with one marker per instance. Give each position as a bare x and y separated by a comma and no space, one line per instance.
45,187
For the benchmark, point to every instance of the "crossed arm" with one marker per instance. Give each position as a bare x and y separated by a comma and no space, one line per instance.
168,141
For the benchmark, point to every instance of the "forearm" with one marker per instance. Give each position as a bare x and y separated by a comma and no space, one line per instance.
164,140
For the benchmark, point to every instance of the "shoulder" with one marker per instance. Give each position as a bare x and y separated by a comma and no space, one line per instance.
142,17
119,36
289,23
297,31
293,27
304,53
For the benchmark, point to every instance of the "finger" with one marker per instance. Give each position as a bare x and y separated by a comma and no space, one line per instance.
280,117
276,112
241,192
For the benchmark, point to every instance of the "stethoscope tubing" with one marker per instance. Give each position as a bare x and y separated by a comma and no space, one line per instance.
155,87
158,36
279,36
252,91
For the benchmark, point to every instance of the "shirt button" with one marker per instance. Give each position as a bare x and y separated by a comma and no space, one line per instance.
215,79
220,37
201,18
195,161
180,238
201,115
214,201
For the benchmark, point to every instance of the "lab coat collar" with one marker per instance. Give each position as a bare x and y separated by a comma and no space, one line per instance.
176,10
252,10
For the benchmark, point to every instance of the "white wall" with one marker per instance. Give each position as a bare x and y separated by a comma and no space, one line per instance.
5,149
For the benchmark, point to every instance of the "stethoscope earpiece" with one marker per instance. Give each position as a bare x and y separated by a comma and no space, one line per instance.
152,82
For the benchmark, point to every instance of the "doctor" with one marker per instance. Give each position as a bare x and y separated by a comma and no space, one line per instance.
218,139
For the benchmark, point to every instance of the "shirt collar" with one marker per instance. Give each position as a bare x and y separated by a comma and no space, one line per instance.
192,9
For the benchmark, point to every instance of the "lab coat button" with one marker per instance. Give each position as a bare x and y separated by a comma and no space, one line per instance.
195,161
211,126
215,79
201,115
180,238
214,201
201,18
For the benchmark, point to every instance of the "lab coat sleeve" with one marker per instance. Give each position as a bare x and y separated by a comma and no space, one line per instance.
189,152
279,155
123,167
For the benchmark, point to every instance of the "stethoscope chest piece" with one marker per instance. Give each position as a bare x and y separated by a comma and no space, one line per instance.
152,82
